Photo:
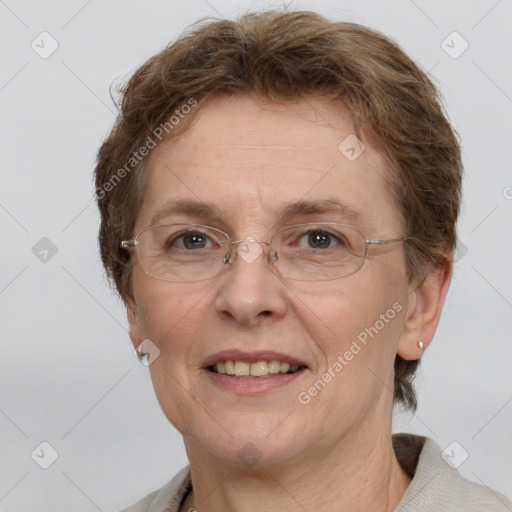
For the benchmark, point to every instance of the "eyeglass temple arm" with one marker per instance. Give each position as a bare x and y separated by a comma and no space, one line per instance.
388,241
128,244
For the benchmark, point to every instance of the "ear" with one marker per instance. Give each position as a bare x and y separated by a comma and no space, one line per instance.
133,331
424,306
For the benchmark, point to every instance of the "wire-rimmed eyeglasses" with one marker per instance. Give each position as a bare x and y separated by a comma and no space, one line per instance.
303,252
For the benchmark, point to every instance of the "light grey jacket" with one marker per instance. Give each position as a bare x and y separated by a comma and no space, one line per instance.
435,485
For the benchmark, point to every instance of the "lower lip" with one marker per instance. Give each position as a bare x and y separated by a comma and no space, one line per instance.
252,386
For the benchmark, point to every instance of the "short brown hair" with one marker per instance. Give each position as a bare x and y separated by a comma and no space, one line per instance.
286,56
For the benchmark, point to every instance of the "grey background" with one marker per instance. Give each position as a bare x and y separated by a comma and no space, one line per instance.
67,372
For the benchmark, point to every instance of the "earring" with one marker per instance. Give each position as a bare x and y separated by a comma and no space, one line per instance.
140,353
420,345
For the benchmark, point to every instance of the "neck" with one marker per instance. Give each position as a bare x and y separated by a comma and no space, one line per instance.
356,476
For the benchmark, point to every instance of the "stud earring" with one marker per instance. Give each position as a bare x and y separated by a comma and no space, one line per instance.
420,345
140,353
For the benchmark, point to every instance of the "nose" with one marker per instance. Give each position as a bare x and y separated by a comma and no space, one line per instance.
250,291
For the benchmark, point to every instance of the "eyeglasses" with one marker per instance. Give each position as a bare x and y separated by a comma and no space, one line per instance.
303,252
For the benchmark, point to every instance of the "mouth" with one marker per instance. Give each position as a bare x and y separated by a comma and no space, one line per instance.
253,365
252,373
259,369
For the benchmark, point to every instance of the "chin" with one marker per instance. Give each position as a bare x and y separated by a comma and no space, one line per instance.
249,442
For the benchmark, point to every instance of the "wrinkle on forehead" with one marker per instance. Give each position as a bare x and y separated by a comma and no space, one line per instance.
270,146
248,161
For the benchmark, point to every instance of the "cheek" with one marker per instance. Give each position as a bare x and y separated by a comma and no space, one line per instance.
158,311
362,309
359,351
171,315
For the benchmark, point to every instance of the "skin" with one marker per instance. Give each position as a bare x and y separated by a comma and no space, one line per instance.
250,157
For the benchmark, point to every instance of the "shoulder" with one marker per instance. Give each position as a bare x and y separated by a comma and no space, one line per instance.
437,485
166,499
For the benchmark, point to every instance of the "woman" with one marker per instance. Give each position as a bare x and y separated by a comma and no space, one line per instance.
278,199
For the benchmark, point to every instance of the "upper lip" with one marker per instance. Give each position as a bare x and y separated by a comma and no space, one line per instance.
251,357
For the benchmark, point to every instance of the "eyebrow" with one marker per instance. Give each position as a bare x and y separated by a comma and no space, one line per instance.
186,207
304,208
208,211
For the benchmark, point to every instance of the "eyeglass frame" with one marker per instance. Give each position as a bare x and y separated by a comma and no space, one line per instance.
230,256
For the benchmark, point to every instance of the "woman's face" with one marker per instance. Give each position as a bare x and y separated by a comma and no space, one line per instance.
250,160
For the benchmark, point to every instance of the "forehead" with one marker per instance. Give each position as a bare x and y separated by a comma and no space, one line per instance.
253,159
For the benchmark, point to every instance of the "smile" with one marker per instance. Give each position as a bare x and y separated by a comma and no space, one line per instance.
257,369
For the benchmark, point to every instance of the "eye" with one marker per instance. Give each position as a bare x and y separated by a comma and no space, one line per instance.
320,239
188,240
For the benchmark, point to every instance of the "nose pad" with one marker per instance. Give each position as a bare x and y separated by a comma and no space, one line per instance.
247,252
229,257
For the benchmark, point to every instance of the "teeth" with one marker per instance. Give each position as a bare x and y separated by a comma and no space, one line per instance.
258,369
274,367
241,368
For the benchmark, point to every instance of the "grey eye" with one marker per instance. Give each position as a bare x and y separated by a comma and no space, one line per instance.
188,240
